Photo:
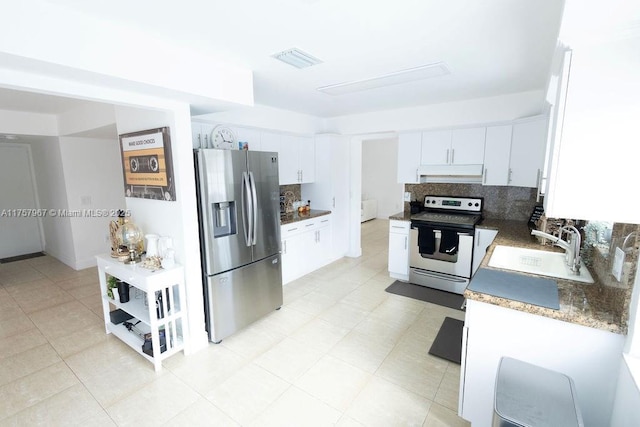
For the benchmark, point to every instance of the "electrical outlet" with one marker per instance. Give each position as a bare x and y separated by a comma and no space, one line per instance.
618,264
407,196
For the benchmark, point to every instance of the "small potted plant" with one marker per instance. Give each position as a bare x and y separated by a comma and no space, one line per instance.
112,282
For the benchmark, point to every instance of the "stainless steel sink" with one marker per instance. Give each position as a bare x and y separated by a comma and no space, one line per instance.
534,261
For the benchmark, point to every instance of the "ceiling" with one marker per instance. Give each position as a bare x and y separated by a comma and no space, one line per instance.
491,47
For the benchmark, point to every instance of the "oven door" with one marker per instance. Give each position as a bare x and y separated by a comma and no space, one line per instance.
458,264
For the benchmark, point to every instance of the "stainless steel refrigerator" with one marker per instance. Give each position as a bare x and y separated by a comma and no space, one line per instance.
239,214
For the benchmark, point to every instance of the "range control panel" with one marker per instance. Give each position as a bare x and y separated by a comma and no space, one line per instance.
467,204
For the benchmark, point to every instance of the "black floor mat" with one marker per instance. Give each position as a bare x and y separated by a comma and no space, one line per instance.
21,257
423,293
448,342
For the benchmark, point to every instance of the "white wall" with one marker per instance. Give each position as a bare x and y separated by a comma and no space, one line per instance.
178,219
86,118
263,117
21,123
467,112
93,180
52,192
379,175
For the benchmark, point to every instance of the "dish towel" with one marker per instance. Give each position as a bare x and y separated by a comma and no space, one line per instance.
449,242
426,240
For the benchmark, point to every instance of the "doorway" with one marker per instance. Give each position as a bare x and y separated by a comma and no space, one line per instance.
20,216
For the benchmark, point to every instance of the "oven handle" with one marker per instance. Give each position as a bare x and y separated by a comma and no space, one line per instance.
438,275
440,228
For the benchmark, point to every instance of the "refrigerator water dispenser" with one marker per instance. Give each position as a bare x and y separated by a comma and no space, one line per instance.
224,218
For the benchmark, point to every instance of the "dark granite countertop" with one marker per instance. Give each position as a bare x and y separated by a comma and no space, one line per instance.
295,216
582,304
401,216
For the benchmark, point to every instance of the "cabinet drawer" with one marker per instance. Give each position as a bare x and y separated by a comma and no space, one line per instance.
396,226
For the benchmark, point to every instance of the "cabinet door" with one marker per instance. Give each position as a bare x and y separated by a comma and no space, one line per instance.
323,243
271,141
288,158
306,158
409,146
294,257
399,249
497,151
467,146
436,147
528,144
399,254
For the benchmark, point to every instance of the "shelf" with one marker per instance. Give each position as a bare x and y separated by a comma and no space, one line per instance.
143,283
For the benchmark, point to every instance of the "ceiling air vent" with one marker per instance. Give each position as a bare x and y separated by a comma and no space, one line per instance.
296,58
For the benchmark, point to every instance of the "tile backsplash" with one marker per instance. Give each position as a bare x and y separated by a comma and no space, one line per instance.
500,202
291,193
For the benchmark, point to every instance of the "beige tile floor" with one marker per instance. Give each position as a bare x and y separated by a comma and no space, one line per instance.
341,351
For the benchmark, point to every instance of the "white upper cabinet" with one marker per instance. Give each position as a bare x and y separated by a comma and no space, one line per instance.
514,153
436,147
467,146
594,155
528,144
306,158
497,151
409,146
453,146
296,156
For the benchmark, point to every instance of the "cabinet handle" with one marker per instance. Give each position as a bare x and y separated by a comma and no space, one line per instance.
397,226
510,173
301,175
325,220
206,141
539,185
447,156
405,242
452,152
293,229
484,178
199,141
284,248
334,202
317,236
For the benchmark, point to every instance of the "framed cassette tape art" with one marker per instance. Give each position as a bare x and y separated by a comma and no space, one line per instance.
147,165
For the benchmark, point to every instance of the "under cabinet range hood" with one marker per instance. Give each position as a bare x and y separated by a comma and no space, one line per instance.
465,174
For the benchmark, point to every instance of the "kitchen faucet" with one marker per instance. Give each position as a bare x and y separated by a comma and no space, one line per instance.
571,246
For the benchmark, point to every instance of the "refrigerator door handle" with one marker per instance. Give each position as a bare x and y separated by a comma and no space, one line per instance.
247,208
254,210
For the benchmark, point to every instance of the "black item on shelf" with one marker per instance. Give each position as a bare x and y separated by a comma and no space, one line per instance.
118,316
147,347
123,291
159,307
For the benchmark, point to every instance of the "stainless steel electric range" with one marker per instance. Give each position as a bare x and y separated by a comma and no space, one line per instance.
441,242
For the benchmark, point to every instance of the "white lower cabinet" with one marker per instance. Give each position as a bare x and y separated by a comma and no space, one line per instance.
155,311
399,249
481,240
306,246
591,357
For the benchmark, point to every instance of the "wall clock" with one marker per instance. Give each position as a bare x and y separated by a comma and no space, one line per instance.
224,137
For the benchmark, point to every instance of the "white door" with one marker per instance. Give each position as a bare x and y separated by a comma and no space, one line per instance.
20,227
